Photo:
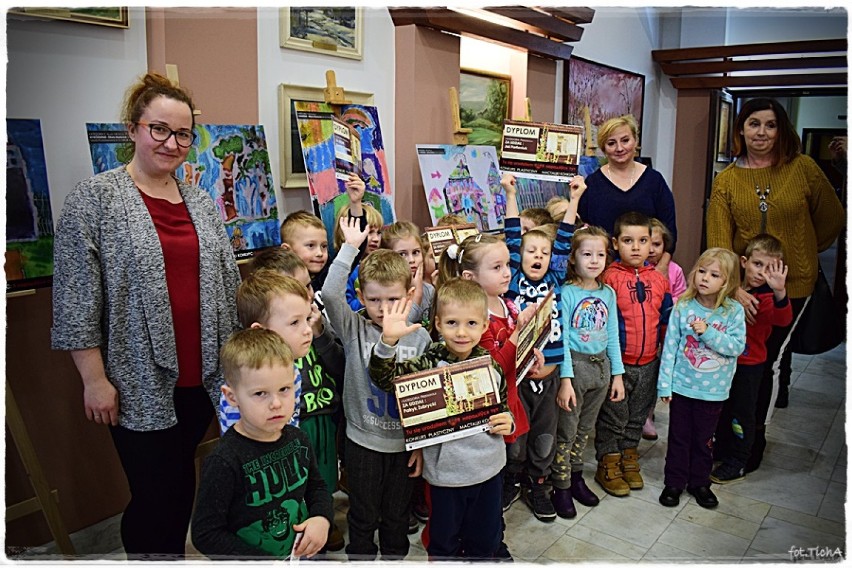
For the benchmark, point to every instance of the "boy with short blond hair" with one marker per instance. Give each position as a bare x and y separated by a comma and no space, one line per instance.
765,278
280,303
303,233
644,301
377,464
260,487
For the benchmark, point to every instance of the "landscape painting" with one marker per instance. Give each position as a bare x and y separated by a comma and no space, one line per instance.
331,30
484,102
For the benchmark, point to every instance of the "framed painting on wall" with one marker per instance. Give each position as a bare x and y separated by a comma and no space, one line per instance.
725,118
333,31
292,167
103,16
596,93
484,102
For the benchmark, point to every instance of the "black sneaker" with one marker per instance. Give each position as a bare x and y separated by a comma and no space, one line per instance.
511,492
703,496
670,497
539,501
413,524
727,472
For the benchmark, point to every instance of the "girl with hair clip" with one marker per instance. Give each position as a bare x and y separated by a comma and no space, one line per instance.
484,259
706,334
591,369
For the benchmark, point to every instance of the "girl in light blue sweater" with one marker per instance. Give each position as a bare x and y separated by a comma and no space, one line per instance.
705,336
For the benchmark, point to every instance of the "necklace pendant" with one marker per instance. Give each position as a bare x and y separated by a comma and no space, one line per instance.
764,207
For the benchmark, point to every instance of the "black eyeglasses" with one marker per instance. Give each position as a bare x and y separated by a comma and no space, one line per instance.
161,133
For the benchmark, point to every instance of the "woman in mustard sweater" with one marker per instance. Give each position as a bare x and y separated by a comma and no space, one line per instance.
771,187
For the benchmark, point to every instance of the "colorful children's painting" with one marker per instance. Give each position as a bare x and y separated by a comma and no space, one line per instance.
328,191
29,218
464,180
230,162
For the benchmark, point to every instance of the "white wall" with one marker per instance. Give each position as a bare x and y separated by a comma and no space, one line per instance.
373,74
67,74
486,56
821,112
752,25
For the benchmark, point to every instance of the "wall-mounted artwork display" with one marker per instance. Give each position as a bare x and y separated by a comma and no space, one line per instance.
484,102
596,93
104,16
332,31
723,127
316,133
230,162
292,166
464,180
29,218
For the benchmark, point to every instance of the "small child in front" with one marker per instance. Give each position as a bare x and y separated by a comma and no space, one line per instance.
260,487
539,264
378,467
464,486
591,371
706,334
765,279
644,303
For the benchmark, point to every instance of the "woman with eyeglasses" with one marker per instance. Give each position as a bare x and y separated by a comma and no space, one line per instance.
143,298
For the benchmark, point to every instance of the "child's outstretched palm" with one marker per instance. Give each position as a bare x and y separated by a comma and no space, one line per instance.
352,232
776,274
395,324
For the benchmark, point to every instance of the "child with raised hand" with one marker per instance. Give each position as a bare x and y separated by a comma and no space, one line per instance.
538,265
706,334
765,278
484,259
662,244
644,303
463,475
241,510
591,369
403,237
370,220
378,467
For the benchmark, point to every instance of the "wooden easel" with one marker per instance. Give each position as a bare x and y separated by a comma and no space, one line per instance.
332,94
459,133
46,499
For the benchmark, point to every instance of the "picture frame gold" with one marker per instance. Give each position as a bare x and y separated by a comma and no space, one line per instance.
111,16
288,132
474,87
723,127
336,30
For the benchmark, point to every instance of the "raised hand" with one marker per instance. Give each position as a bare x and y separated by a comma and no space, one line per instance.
352,232
355,188
508,183
577,187
776,275
395,324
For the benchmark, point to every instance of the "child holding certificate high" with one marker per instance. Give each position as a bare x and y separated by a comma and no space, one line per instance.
464,483
538,265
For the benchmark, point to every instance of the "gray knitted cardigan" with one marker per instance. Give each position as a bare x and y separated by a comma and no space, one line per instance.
109,291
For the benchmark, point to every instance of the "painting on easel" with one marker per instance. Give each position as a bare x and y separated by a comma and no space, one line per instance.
328,192
29,218
464,180
230,162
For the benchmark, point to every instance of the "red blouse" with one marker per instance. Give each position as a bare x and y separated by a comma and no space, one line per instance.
179,242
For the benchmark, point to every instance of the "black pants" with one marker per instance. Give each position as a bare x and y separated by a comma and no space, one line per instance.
736,430
379,498
536,448
776,362
689,454
160,469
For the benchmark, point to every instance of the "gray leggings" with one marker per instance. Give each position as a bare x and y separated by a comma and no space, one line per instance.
619,424
591,384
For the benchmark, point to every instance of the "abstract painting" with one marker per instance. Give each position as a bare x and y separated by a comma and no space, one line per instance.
332,30
484,102
230,162
316,134
464,180
29,218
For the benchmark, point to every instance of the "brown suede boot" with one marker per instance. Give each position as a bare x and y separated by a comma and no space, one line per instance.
630,468
609,475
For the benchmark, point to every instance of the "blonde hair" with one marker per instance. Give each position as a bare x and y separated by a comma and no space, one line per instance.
294,221
256,292
606,129
668,239
450,220
253,348
461,291
399,231
538,232
277,258
728,262
766,244
585,233
386,268
538,215
556,207
374,221
467,257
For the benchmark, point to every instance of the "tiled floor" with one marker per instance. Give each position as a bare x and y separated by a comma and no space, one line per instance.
795,500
